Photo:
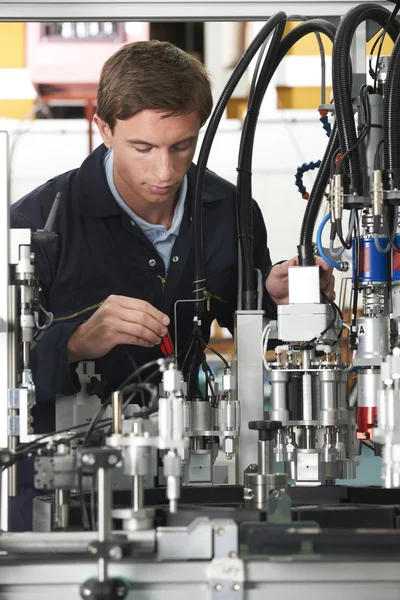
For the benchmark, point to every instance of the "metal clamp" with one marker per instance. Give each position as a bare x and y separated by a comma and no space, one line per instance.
93,459
226,571
111,589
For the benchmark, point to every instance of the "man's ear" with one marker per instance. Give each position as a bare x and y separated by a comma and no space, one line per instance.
104,130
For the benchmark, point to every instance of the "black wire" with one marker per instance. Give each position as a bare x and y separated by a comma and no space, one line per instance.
82,504
134,365
93,504
381,37
389,235
215,352
107,402
365,129
336,312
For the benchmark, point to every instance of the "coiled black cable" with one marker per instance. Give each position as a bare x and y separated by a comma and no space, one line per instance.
206,147
244,193
342,91
391,121
244,202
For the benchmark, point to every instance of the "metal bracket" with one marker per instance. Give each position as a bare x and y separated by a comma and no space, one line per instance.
226,579
226,571
194,542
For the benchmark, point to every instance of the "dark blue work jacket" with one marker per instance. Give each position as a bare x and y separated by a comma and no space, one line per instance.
100,252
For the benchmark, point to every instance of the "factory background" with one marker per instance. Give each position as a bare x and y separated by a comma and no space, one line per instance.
48,75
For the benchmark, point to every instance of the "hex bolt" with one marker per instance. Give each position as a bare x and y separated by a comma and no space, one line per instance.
115,552
233,555
221,531
236,587
112,459
218,587
86,592
88,459
121,591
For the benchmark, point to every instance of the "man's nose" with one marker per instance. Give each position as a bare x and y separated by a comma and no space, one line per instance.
164,168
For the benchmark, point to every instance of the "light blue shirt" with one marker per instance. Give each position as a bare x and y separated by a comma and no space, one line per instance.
162,239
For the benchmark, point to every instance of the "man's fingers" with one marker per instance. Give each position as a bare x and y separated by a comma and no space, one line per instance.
140,318
143,306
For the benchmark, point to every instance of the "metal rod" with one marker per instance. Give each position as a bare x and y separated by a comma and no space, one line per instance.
13,343
61,517
265,456
117,403
137,492
104,492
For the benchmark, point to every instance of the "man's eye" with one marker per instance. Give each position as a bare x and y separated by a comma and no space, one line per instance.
143,150
180,148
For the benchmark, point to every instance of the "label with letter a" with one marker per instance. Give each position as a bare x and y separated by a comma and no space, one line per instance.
361,330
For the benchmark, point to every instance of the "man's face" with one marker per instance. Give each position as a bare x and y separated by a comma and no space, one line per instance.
151,154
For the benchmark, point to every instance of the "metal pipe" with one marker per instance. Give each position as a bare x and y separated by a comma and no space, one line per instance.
61,517
13,346
104,492
265,456
117,403
137,492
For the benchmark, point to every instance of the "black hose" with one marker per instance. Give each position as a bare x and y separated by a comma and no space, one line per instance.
342,84
391,121
205,151
244,188
305,248
244,201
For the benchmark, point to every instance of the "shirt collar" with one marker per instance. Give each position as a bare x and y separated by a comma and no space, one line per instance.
97,201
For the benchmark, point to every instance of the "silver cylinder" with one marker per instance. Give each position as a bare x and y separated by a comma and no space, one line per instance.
265,456
373,335
227,413
104,490
137,492
279,395
187,414
368,387
201,416
117,403
328,412
13,357
342,395
61,512
257,488
137,460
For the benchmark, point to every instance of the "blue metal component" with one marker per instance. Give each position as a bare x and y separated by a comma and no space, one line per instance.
372,263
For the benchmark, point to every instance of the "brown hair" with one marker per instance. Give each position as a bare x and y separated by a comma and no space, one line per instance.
152,75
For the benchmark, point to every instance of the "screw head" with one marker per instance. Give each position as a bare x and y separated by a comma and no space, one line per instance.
92,549
86,592
115,552
6,459
236,587
221,531
233,555
112,459
121,591
88,459
218,587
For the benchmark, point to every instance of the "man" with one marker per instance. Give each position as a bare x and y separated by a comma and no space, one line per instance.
124,251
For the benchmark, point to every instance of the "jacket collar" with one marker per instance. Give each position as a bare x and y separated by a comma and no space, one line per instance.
97,201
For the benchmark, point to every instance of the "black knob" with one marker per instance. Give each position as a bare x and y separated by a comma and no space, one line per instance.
266,429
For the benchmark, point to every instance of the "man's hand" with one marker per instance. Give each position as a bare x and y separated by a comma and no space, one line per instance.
277,284
120,320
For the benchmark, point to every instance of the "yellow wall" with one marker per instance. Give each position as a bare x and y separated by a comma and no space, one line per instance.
12,45
309,97
12,56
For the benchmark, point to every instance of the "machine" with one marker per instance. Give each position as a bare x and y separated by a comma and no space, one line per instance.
132,505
